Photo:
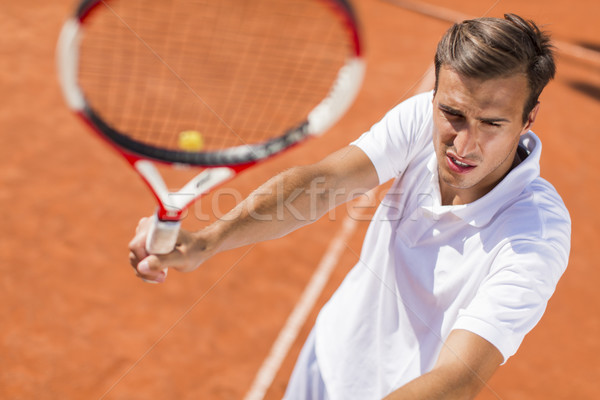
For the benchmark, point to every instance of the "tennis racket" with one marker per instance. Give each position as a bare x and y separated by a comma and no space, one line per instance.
217,84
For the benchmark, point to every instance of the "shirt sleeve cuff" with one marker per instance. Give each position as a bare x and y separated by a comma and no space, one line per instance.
384,171
488,332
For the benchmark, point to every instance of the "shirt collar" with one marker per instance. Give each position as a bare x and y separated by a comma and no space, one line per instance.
481,211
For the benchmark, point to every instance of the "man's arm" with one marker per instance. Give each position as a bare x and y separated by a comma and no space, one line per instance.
464,365
288,201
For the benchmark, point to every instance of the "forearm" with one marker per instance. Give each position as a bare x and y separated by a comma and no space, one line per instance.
438,384
464,365
288,201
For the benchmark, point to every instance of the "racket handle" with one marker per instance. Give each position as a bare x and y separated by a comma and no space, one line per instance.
162,236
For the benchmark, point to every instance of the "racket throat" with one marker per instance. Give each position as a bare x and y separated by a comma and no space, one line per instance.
173,204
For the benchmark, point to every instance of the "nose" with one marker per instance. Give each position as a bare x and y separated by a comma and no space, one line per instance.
465,141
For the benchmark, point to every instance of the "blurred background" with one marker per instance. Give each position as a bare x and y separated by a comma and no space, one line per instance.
75,323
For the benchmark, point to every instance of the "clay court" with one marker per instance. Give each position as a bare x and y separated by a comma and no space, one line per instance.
77,324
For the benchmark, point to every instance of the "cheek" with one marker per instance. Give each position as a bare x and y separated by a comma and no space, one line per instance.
437,139
498,145
444,137
446,130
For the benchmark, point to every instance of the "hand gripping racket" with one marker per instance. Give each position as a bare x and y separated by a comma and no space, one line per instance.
217,84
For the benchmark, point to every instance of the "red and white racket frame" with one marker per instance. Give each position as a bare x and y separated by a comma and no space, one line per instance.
162,237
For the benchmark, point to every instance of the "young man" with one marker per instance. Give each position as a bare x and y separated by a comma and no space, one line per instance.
463,253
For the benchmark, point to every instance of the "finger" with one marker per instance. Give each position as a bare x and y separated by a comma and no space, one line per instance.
151,271
137,245
134,260
161,277
140,233
137,254
156,262
143,224
154,267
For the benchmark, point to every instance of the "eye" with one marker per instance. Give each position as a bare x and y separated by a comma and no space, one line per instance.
450,114
494,124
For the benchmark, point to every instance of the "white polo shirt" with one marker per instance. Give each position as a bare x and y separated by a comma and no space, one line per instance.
488,267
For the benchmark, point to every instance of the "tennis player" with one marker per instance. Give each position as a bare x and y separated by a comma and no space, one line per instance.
462,254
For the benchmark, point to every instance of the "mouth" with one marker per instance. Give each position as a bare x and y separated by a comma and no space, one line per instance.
457,166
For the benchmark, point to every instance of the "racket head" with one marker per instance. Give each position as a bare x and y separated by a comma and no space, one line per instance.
248,79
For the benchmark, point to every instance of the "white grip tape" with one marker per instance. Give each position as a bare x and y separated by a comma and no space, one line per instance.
162,236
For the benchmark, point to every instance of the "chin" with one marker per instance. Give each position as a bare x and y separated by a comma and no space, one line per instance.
454,182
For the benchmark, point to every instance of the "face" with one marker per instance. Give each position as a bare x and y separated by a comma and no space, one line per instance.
478,124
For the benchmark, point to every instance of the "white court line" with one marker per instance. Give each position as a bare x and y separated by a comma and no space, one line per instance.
448,15
289,333
427,81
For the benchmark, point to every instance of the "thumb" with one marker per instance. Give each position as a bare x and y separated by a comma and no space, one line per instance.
153,268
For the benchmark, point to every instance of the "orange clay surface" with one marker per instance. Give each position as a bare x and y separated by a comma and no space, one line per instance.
75,323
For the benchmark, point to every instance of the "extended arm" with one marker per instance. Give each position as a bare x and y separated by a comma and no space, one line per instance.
464,365
283,204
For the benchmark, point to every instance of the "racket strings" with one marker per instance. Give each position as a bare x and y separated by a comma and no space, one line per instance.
152,70
311,70
287,79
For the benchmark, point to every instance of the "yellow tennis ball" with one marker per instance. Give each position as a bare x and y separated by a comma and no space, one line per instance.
191,140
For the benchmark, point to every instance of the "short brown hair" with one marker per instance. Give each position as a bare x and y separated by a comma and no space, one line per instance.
487,48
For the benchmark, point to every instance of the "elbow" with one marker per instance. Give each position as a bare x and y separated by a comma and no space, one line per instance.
463,384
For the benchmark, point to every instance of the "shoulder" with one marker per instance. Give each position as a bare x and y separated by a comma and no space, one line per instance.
538,211
418,107
536,222
532,208
403,132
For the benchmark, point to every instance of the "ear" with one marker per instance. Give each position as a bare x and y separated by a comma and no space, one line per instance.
531,119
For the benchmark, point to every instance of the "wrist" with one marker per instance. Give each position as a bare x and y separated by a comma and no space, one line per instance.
209,241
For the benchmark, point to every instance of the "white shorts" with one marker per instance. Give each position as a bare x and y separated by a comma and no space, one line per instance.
306,382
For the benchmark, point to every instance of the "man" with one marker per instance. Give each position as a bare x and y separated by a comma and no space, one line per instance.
463,253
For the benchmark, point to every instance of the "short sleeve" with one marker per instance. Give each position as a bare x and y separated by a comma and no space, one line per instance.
512,300
392,142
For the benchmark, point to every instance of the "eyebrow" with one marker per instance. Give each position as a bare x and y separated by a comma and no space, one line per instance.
456,112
